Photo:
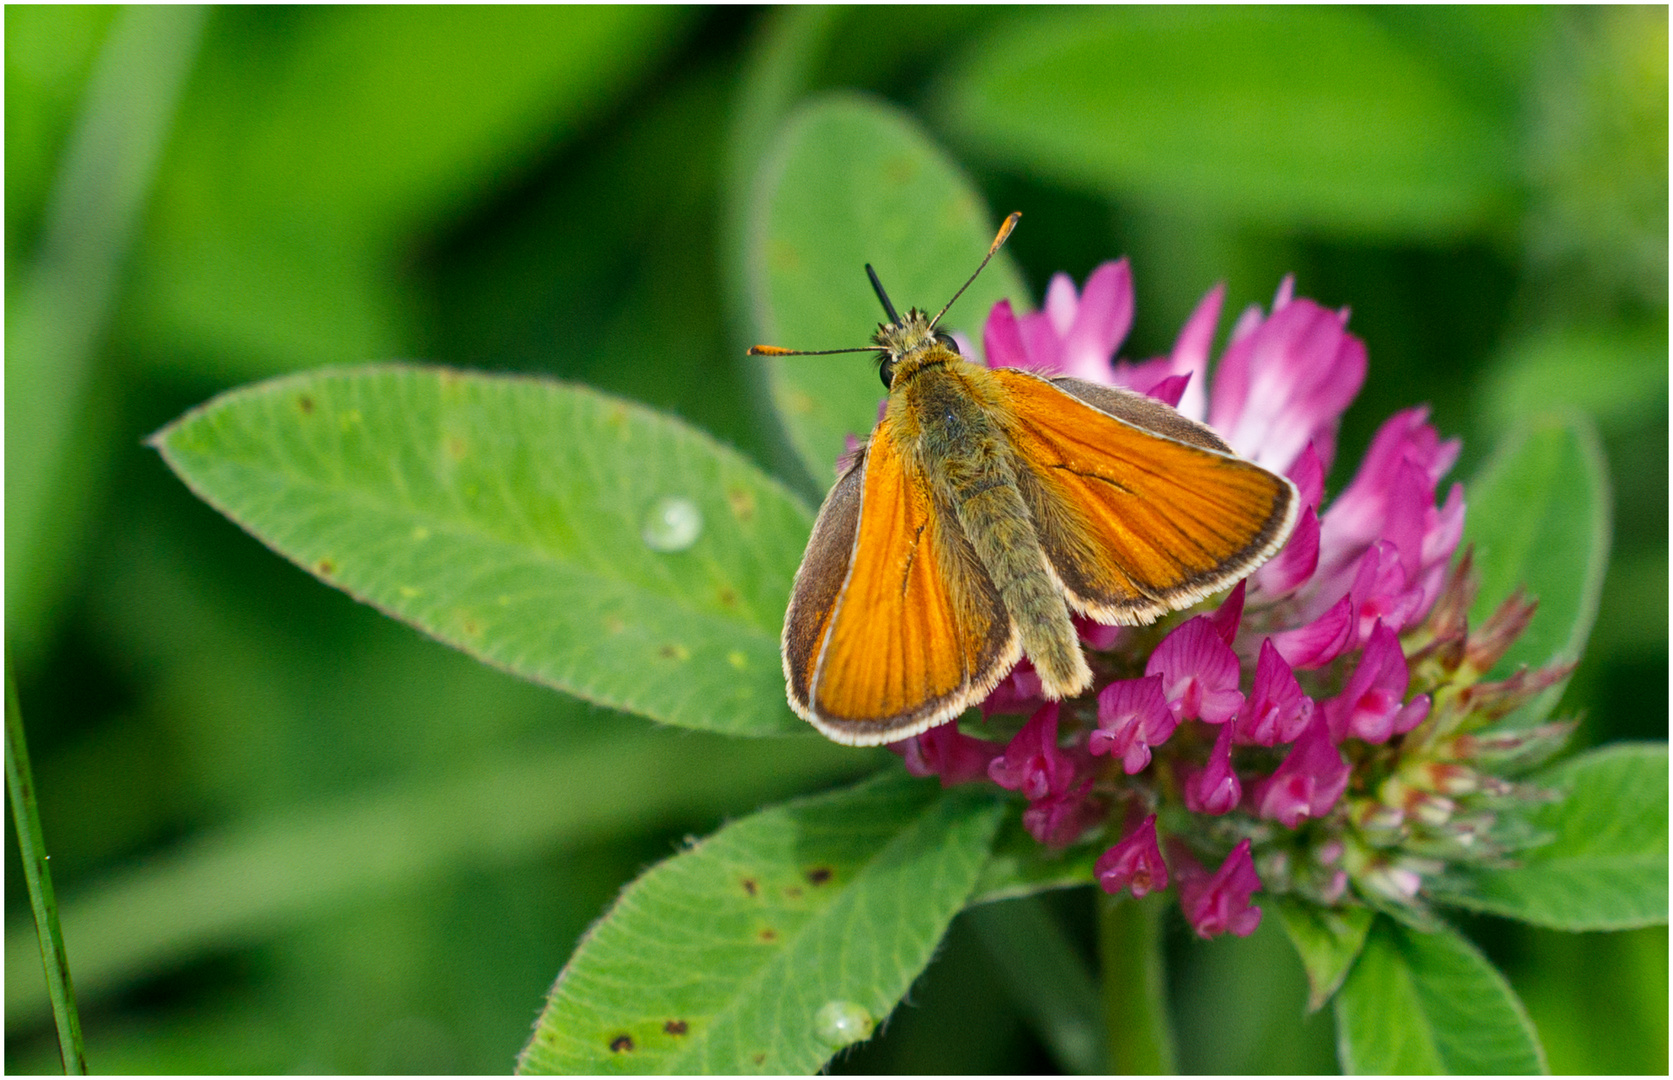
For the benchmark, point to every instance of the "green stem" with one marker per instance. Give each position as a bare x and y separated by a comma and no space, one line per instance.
1047,977
20,784
1136,1021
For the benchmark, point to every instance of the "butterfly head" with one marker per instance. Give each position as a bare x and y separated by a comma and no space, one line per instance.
907,341
910,341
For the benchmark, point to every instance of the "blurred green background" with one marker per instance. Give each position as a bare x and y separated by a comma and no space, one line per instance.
290,835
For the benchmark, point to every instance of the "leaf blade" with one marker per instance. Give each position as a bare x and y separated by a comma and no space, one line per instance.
721,958
1311,118
1538,509
1429,1003
1328,942
1606,868
506,517
850,182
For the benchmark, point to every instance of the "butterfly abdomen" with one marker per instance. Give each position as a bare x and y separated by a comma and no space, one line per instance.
966,458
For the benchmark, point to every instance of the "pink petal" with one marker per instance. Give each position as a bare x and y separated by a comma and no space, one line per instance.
1214,789
1359,516
1095,635
1059,820
1308,783
1295,562
1062,304
1019,692
946,752
1100,323
1042,343
1002,339
1169,390
1278,711
1247,323
1443,528
1218,902
1135,863
1287,384
1227,616
1308,476
1319,642
1133,716
1190,351
1199,670
1033,763
1367,707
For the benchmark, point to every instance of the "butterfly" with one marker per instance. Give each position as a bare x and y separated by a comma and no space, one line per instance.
988,508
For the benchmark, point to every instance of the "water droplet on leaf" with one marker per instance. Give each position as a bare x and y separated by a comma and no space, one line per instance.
840,1023
673,524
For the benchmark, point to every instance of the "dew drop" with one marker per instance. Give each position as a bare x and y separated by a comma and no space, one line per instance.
840,1023
673,524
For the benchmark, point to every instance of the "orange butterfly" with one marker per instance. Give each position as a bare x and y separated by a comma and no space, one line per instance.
988,508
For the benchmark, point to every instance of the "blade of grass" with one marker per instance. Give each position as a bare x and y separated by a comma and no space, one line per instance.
59,306
20,784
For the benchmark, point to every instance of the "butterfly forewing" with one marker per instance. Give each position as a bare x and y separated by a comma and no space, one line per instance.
1136,521
917,630
819,581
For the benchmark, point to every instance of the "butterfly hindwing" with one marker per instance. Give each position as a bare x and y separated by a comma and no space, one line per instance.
819,581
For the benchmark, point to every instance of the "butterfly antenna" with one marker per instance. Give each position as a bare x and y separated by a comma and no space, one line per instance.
774,350
1004,234
877,287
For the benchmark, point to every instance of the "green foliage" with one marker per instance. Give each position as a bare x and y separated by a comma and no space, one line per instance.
774,943
1019,866
268,209
522,522
1319,118
1431,1003
291,835
850,182
1538,515
1605,864
1327,941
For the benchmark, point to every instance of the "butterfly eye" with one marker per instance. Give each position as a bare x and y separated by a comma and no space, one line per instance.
887,370
947,340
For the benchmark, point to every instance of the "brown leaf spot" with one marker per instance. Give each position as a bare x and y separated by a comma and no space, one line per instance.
470,626
455,448
759,1058
819,875
305,403
793,893
742,502
622,1044
728,596
674,652
325,568
769,934
749,886
614,625
675,1027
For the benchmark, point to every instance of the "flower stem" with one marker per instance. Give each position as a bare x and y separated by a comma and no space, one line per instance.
1136,1021
20,784
1049,980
